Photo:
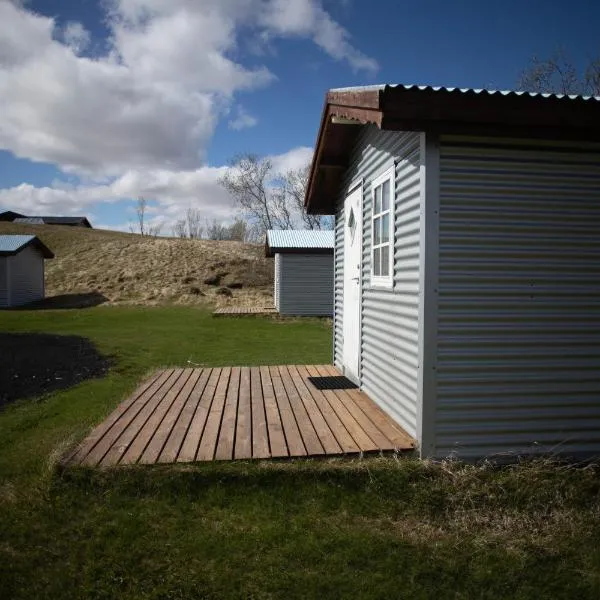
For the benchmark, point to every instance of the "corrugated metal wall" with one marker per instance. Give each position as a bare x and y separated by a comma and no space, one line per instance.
338,296
4,281
277,278
26,273
389,335
519,299
306,284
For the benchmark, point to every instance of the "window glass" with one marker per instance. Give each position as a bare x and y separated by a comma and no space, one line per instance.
377,262
385,261
385,228
377,200
377,230
385,199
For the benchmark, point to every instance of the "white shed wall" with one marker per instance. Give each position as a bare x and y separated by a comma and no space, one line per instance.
518,339
26,276
390,317
305,284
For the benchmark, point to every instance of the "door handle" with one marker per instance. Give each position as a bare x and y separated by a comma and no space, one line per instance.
355,278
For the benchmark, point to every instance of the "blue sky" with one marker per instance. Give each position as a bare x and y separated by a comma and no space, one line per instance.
109,100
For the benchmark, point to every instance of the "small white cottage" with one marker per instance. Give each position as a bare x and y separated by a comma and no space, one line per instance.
21,269
303,271
467,262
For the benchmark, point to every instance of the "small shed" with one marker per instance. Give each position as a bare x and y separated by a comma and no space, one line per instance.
303,271
21,269
467,263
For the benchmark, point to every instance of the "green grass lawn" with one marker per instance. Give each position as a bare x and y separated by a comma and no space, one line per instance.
360,528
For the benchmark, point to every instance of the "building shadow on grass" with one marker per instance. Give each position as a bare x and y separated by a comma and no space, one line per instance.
81,300
34,364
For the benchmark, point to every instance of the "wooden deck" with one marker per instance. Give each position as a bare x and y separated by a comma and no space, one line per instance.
241,311
185,415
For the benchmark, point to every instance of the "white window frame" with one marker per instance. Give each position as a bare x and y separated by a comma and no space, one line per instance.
386,281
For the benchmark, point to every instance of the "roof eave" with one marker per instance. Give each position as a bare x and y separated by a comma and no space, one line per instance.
358,107
444,111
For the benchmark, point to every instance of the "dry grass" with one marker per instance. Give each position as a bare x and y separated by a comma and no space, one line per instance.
131,269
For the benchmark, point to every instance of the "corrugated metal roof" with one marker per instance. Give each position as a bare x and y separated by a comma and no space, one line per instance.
29,220
11,244
484,92
291,240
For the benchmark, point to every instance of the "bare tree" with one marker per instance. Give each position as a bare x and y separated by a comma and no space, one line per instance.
155,229
557,74
216,231
194,226
270,200
249,180
294,184
180,229
238,231
140,210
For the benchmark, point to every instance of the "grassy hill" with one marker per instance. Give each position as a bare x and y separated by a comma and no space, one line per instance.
131,269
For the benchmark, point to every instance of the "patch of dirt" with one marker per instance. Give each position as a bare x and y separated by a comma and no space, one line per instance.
34,364
124,268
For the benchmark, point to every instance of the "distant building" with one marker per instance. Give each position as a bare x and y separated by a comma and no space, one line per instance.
9,215
14,217
303,271
21,269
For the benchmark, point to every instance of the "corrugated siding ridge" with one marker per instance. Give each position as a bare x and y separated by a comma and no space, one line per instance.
389,331
519,299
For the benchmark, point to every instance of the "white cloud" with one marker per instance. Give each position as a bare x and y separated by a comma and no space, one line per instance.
242,120
170,191
76,36
152,101
291,160
307,18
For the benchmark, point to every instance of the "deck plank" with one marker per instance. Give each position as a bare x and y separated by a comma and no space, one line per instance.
277,443
363,441
226,413
102,429
307,431
260,435
115,442
290,427
180,427
191,441
243,434
210,435
226,440
400,440
164,430
145,434
343,438
326,436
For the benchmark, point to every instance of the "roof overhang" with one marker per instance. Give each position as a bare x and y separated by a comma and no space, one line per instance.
271,251
34,242
441,111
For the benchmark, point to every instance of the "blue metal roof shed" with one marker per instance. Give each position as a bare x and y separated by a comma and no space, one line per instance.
303,271
21,269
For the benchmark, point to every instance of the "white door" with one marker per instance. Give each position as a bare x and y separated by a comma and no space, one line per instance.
352,283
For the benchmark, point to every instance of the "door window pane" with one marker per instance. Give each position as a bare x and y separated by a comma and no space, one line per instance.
377,261
385,261
385,200
385,228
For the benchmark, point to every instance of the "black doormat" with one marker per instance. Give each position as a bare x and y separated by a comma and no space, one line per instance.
333,382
